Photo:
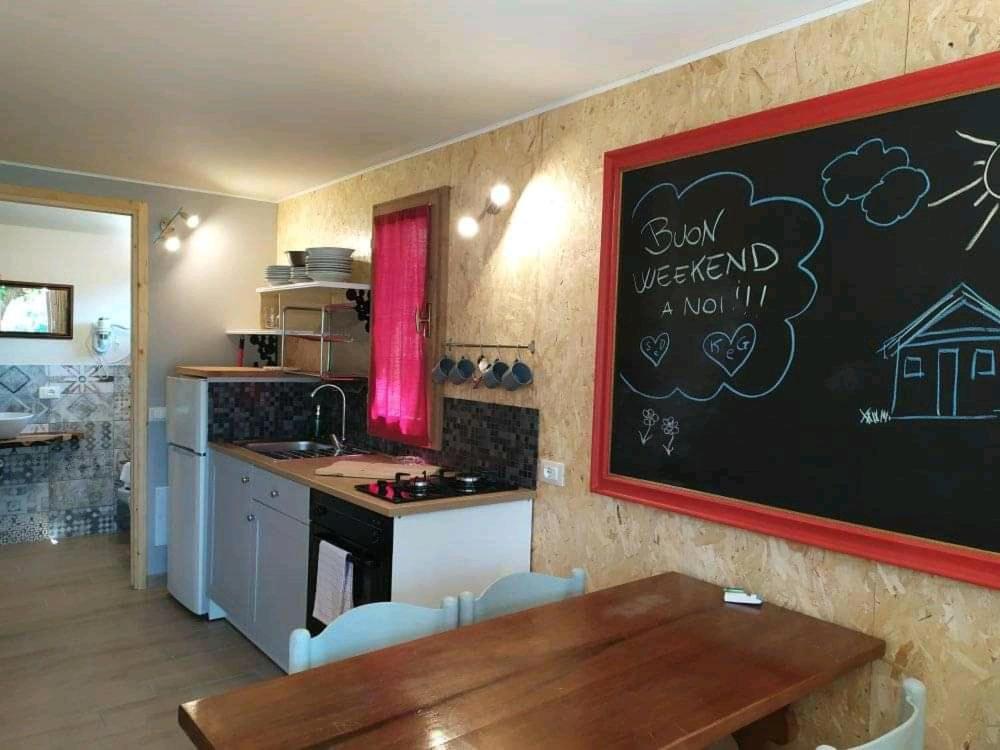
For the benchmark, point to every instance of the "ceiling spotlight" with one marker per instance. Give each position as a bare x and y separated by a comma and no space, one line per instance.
499,197
192,220
172,243
468,227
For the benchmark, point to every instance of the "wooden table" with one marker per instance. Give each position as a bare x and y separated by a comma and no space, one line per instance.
656,663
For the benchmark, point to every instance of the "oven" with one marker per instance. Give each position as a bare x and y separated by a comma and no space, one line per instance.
364,535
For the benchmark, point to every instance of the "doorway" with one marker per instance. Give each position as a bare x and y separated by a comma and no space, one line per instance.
947,383
97,386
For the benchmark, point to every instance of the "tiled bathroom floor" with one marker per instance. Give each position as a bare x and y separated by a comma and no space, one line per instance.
85,661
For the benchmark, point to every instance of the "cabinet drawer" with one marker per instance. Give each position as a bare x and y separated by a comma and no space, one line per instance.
282,494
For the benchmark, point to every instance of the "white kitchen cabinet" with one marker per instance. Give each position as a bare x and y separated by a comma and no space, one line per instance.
259,553
233,541
280,590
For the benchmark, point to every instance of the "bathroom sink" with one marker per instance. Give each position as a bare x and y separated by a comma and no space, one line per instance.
289,449
12,423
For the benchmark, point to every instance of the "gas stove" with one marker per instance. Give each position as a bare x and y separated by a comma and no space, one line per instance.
409,488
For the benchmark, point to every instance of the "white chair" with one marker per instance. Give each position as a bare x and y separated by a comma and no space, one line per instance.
369,628
909,735
516,592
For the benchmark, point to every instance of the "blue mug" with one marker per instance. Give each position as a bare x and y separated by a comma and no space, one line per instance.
517,376
442,369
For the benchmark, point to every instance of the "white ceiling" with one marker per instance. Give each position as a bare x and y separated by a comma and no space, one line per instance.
64,219
269,98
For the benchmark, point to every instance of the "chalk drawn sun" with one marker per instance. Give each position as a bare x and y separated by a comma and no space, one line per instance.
989,180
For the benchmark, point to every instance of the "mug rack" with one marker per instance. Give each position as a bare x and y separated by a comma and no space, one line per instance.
456,345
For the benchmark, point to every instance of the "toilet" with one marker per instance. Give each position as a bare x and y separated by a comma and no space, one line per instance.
123,492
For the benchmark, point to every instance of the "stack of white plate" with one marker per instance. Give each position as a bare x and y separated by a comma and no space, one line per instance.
277,275
329,263
300,274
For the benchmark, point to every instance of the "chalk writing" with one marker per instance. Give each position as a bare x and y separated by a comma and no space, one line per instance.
730,267
649,419
731,352
654,348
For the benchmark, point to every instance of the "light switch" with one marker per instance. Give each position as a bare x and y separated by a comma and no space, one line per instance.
49,392
157,413
552,472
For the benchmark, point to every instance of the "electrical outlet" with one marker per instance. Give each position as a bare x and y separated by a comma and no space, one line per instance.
157,413
552,472
49,391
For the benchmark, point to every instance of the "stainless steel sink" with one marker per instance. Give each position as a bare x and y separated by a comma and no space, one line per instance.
290,449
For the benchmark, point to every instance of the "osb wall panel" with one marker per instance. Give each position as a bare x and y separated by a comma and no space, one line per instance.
532,273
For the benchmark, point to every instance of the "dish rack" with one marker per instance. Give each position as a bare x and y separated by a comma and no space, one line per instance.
327,336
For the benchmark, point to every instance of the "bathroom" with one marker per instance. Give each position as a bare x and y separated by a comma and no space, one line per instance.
65,385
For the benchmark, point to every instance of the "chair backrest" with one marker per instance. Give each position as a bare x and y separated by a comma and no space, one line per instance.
516,592
909,735
369,628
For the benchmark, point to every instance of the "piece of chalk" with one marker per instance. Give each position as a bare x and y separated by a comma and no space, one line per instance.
739,596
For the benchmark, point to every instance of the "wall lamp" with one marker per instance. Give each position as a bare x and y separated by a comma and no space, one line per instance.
468,226
168,230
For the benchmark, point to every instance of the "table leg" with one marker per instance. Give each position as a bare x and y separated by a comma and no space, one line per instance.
778,728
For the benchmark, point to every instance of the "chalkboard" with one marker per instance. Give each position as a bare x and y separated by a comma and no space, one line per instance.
809,321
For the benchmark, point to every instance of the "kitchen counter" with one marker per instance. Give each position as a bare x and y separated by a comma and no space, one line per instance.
302,471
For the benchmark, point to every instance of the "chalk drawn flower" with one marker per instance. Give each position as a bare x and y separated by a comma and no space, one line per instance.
649,418
670,428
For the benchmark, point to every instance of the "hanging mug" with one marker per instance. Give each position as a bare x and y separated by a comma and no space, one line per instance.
493,377
462,371
517,376
442,369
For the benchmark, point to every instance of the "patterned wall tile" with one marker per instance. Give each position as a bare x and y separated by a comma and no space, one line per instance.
24,465
67,461
27,527
81,493
82,522
64,489
24,498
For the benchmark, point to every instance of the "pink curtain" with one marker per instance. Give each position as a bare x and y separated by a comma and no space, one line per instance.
397,395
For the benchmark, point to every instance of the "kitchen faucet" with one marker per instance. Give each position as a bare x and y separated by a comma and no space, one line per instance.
338,442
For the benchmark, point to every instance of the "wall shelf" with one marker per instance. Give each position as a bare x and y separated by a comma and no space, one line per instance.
313,285
27,439
266,332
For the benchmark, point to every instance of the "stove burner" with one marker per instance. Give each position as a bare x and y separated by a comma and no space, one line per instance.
410,487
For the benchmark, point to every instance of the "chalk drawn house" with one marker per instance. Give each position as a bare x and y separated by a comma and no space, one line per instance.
946,360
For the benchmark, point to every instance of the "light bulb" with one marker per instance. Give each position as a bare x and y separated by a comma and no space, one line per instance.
468,227
192,221
500,195
172,243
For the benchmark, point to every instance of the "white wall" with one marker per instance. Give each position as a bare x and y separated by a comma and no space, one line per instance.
98,267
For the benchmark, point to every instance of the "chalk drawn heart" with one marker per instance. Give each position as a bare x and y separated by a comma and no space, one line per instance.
654,348
730,352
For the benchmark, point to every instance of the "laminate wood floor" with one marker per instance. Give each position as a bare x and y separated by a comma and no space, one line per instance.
86,662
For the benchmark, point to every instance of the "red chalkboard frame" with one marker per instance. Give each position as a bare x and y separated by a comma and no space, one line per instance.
953,561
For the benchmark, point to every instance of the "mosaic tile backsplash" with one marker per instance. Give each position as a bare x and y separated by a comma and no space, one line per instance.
494,438
68,489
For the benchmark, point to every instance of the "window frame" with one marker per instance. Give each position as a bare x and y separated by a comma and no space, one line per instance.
907,359
976,373
435,291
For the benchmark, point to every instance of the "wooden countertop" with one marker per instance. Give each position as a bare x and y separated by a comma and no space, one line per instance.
657,663
301,471
213,371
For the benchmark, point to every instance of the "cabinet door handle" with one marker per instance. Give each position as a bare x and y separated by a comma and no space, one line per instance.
251,517
423,322
245,480
274,493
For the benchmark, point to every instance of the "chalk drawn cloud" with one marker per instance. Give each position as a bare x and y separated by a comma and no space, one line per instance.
879,178
895,196
725,272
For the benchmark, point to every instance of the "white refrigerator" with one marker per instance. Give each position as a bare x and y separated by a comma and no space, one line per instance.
188,507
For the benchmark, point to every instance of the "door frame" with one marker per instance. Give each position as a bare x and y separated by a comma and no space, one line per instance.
139,213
